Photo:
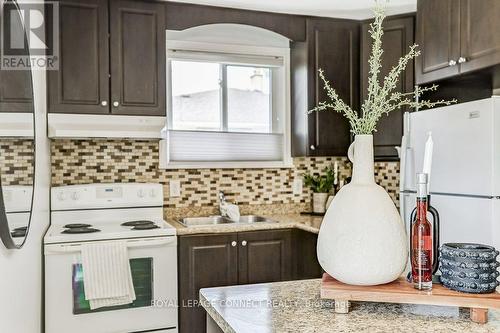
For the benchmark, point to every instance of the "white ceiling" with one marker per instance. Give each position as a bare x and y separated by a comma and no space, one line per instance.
354,9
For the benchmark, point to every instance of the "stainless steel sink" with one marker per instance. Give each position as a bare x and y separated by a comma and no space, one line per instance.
202,221
254,219
217,220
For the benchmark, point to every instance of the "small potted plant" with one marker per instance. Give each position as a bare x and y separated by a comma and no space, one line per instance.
321,186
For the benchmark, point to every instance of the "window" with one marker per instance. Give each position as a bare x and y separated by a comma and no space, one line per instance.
249,101
228,105
219,97
196,96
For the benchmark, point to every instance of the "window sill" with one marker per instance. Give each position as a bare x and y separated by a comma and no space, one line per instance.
229,165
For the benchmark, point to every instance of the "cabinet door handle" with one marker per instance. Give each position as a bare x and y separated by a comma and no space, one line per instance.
115,104
452,63
313,147
244,243
234,243
104,103
461,60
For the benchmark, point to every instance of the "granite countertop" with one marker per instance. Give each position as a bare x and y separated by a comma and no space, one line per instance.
295,306
305,222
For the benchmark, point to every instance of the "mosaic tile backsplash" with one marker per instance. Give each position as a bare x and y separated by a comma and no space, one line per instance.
16,161
255,190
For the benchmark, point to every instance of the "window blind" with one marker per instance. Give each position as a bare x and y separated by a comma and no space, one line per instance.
196,146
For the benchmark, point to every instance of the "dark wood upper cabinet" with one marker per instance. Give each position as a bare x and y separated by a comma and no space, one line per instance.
265,256
204,261
480,40
112,58
333,45
456,37
16,91
137,58
81,85
397,40
438,36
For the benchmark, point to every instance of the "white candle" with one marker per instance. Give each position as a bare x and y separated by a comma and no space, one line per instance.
335,173
429,147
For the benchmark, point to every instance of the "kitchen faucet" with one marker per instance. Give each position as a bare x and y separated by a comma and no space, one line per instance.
222,198
224,205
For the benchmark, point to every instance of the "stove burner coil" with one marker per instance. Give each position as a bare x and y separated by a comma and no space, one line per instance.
146,227
137,223
77,226
85,230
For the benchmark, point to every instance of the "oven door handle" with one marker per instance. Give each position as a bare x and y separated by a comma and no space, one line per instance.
131,243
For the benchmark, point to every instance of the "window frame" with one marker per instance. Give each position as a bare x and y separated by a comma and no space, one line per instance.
279,94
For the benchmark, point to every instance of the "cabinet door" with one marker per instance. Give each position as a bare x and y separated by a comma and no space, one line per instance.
334,47
204,261
16,91
15,85
438,35
137,58
265,256
81,85
397,40
305,257
480,40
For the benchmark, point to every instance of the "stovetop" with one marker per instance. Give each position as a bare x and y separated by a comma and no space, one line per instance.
93,212
109,230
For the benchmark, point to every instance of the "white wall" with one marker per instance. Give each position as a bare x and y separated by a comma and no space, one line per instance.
21,270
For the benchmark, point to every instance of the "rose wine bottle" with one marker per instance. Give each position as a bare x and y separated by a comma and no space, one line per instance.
421,240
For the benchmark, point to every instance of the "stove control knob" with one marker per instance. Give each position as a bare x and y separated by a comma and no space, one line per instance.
75,196
152,193
141,193
61,196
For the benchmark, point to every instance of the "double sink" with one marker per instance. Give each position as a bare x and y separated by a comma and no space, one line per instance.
215,220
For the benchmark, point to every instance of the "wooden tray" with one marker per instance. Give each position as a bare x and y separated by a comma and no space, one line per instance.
400,291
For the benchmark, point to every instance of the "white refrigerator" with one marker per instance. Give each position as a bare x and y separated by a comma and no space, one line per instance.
465,175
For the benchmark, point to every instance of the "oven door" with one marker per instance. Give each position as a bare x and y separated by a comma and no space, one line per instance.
154,271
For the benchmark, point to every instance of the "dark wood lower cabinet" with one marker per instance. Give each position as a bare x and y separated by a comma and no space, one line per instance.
204,261
264,256
306,265
216,260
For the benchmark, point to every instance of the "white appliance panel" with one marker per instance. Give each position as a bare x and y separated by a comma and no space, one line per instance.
496,224
496,227
59,260
462,219
496,147
17,198
463,147
115,195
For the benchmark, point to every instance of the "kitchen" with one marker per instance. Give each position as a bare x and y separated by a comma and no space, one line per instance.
154,125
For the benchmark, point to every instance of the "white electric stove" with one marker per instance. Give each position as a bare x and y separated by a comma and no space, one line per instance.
132,213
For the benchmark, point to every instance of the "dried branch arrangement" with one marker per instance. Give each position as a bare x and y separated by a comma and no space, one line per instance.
382,97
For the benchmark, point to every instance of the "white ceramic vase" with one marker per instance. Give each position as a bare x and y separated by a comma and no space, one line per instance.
362,240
